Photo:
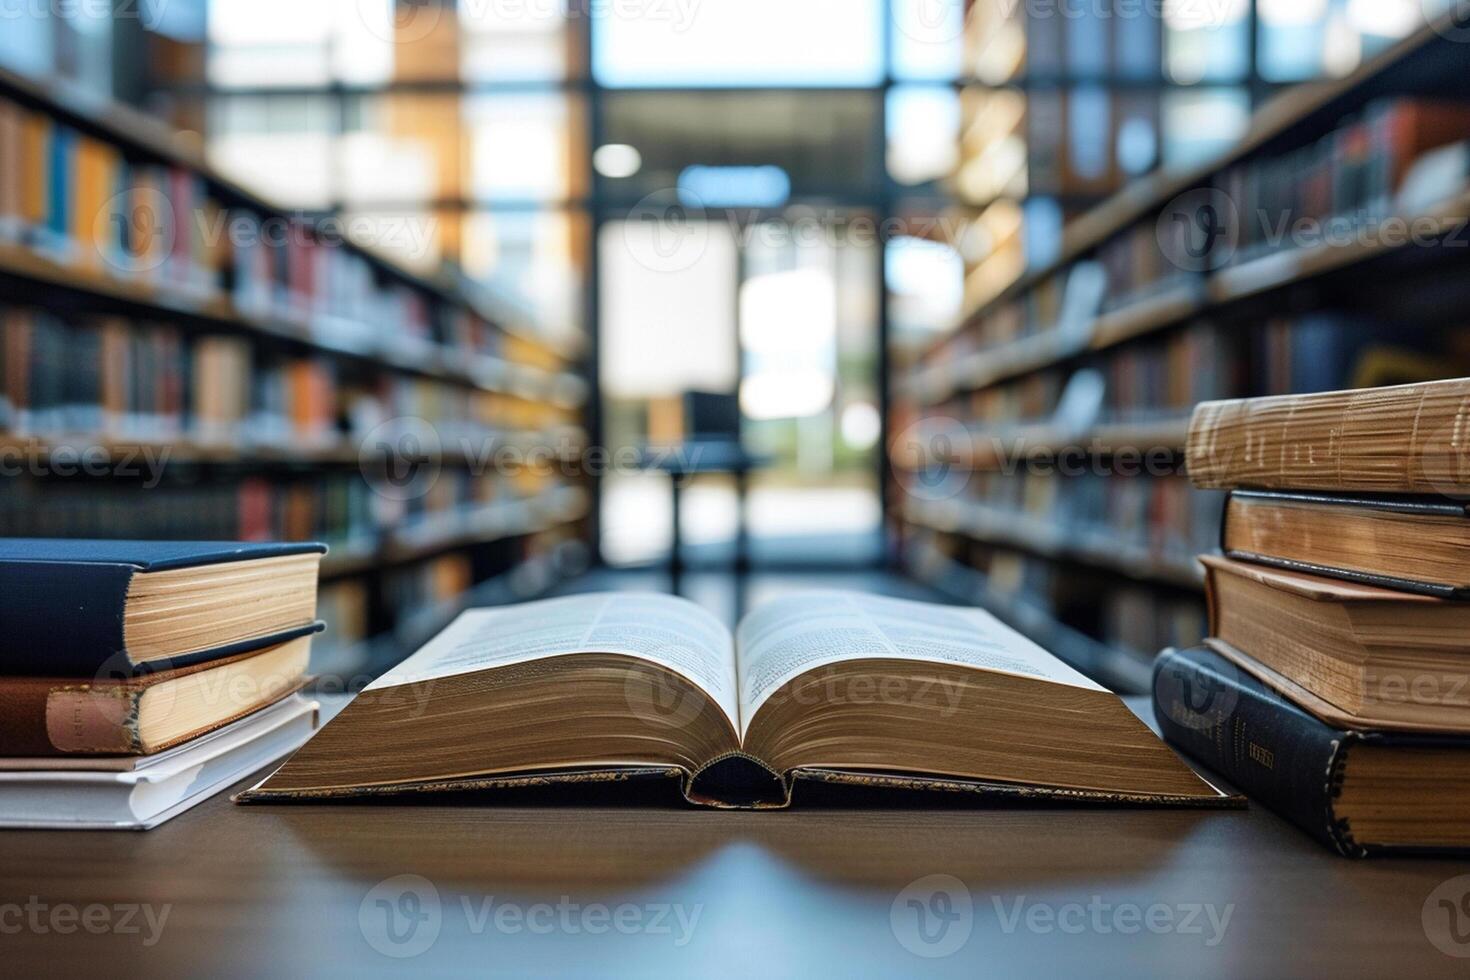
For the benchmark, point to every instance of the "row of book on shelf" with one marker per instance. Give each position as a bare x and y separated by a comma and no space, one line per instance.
344,509
119,378
1161,377
1140,519
1397,159
104,211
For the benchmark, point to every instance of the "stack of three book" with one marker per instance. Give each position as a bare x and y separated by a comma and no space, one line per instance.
1335,687
139,678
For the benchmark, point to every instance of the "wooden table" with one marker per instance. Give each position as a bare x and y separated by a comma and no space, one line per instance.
627,890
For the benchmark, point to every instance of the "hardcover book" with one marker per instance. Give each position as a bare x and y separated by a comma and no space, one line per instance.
1400,439
1379,657
1413,544
42,716
1359,791
79,608
826,687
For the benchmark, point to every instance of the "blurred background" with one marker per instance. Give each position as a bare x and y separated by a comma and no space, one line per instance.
788,202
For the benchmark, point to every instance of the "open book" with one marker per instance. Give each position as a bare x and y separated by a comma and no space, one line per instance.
825,686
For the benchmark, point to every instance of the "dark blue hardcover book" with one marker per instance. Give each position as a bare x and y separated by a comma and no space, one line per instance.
64,603
1325,779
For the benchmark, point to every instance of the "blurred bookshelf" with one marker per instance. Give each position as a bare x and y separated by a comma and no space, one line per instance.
181,358
1037,443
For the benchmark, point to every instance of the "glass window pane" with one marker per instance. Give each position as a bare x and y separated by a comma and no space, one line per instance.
524,147
927,39
363,41
668,308
742,42
1137,135
926,286
1199,125
279,146
516,41
1207,42
1290,35
401,149
923,133
27,44
262,43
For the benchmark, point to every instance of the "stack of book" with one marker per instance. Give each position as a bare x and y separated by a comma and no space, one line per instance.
138,678
1335,687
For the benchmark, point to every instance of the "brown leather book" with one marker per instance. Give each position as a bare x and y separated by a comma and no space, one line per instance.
1401,439
823,689
1378,658
41,716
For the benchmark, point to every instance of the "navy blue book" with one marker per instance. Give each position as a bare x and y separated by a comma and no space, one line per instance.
81,608
1360,792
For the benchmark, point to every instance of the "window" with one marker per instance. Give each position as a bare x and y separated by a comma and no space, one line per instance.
742,42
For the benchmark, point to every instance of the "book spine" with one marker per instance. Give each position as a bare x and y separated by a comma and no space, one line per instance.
48,718
62,619
1271,750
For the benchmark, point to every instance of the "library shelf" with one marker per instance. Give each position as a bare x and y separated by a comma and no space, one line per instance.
1093,547
1271,124
1179,305
995,447
436,362
455,530
1134,340
143,135
478,450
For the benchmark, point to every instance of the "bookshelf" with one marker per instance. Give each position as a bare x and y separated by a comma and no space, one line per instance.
1038,447
168,368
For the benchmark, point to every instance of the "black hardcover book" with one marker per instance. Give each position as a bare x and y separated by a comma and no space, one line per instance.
79,608
1361,793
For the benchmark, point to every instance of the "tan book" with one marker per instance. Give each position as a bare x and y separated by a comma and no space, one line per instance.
824,687
11,192
1380,658
1402,439
1412,544
44,716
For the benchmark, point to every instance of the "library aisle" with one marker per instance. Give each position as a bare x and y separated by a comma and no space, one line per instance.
1100,365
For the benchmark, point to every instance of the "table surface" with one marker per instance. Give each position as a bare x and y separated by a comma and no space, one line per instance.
635,890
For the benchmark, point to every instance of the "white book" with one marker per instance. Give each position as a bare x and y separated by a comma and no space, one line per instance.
139,793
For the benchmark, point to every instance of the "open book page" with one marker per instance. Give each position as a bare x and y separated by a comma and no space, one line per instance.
668,631
793,634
